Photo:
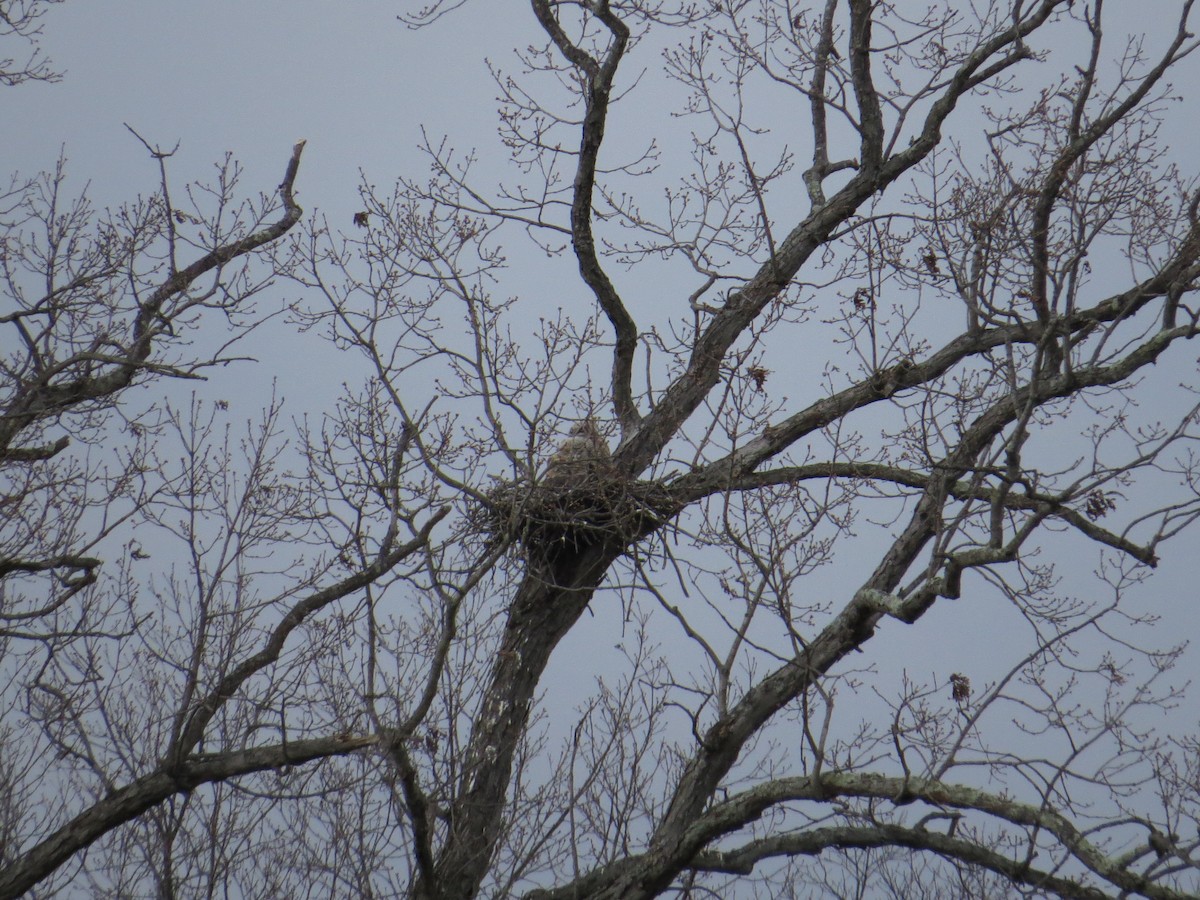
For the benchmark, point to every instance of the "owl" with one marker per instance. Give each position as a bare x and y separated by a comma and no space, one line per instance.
582,457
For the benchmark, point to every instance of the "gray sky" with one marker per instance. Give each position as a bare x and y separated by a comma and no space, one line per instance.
250,78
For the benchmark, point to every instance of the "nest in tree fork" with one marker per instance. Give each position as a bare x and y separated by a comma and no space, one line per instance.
582,501
550,518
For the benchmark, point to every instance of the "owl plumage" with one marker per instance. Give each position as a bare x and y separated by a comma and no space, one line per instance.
582,456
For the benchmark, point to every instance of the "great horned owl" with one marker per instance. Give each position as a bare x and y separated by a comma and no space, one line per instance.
582,457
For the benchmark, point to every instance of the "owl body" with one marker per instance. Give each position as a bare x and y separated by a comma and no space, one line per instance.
582,457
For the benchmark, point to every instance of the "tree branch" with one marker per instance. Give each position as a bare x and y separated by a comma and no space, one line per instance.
743,306
599,83
40,397
188,734
129,802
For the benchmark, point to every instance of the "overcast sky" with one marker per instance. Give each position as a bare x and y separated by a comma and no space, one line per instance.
252,76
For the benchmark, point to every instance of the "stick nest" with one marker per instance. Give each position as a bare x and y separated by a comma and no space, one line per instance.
558,515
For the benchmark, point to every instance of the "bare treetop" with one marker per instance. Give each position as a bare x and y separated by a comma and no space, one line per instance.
754,490
20,32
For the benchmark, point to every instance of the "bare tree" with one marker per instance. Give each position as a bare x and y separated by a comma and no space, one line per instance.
816,395
20,25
